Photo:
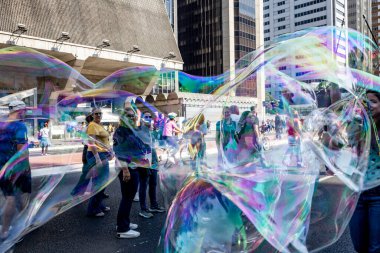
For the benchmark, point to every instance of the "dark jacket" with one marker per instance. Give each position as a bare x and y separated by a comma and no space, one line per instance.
128,143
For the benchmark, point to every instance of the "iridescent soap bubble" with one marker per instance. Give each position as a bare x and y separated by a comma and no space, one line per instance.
282,189
53,184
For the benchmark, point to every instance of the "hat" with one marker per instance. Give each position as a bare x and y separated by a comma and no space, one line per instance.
172,115
16,105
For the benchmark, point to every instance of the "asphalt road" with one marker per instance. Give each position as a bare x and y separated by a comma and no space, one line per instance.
73,231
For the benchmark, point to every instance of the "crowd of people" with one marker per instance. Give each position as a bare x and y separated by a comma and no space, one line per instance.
134,145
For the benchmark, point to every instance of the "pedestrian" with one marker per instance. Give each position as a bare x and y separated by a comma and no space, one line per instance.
170,129
226,138
235,114
44,141
131,154
365,222
84,180
294,141
149,177
16,181
98,155
278,126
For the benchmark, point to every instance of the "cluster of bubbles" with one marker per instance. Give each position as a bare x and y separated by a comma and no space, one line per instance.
236,197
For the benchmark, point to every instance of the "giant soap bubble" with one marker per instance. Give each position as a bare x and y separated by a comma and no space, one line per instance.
237,185
36,188
299,193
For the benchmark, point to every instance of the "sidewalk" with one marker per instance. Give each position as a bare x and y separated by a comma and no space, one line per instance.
60,145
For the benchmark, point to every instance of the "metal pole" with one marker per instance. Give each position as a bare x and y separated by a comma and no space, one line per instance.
374,39
370,30
340,34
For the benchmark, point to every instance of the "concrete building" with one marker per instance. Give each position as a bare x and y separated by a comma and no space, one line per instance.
171,10
101,38
376,30
356,10
288,16
213,35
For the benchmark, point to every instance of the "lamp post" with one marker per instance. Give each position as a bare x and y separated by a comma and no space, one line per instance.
99,48
13,39
134,49
58,42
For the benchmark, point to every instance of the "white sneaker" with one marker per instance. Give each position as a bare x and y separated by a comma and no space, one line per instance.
136,198
133,226
127,235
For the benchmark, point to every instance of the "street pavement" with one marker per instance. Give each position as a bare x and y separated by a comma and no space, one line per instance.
73,231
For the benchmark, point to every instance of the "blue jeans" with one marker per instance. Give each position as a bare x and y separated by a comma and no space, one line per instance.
365,224
172,141
95,205
128,191
145,177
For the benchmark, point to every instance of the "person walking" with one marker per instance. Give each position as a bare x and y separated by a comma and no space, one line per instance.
278,126
170,129
45,141
365,223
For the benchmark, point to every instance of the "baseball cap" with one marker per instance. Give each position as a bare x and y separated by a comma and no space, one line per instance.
16,105
172,115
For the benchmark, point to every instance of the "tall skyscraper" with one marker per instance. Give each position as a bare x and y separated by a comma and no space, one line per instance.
214,34
171,9
376,30
356,10
245,40
288,16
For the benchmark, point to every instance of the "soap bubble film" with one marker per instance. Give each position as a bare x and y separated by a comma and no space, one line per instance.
230,183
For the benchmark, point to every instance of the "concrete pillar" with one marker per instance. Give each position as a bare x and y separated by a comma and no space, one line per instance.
260,79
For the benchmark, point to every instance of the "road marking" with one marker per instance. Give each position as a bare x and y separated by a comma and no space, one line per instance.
67,169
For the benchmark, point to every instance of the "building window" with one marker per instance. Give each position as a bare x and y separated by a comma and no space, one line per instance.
280,3
266,7
308,4
310,20
280,11
267,39
281,19
266,31
340,4
309,12
281,27
282,68
266,23
266,15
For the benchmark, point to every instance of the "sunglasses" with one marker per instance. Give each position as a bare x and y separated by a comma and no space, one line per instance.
131,116
98,113
148,117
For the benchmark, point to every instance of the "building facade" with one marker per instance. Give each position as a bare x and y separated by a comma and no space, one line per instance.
288,16
214,35
356,10
101,37
171,10
376,31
